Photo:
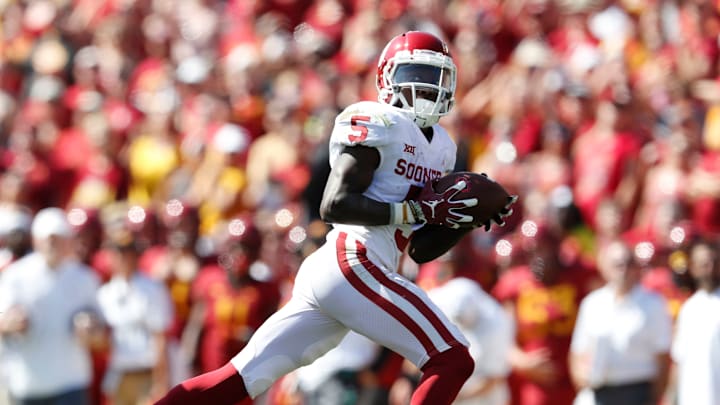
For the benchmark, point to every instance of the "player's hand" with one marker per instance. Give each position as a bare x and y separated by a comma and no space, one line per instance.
499,218
89,329
158,390
14,320
537,366
443,208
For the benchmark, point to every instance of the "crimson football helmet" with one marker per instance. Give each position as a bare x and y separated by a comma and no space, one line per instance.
416,73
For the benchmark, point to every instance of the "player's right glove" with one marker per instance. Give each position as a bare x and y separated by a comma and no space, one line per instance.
499,218
436,208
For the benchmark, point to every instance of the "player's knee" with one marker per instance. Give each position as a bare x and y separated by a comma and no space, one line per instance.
456,361
462,362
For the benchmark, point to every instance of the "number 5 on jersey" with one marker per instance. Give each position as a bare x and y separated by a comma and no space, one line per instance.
363,131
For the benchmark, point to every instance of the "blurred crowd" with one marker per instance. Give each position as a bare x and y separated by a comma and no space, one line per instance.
185,144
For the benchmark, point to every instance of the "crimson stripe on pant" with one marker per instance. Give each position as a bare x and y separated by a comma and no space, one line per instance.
388,306
383,279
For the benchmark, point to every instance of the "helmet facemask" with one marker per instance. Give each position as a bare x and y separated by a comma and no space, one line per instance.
422,83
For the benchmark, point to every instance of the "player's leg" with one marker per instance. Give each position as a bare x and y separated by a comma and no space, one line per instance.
394,312
221,386
443,376
294,336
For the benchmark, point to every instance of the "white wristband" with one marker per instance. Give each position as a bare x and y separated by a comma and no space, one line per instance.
402,213
397,213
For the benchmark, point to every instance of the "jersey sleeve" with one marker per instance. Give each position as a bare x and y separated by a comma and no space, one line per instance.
359,126
160,313
661,322
581,341
6,292
498,341
679,344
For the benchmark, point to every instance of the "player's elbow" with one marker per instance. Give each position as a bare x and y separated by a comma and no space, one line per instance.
326,213
333,208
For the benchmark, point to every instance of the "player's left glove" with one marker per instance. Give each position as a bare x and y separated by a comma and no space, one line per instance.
436,208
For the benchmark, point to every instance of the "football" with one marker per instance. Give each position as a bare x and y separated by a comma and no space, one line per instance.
491,196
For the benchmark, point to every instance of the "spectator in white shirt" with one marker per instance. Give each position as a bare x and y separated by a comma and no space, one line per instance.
490,332
138,310
48,319
620,347
696,347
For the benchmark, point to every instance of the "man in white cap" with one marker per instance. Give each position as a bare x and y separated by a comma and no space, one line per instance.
47,321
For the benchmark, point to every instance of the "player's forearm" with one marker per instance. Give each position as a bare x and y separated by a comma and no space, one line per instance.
191,334
343,200
432,241
160,371
660,383
356,209
578,367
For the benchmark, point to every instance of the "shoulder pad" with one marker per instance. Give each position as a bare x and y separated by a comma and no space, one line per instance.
378,114
363,123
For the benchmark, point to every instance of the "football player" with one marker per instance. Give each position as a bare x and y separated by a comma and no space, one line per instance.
382,155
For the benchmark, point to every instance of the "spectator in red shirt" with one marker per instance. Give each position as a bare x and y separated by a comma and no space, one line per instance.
176,261
542,296
659,249
229,301
703,186
604,157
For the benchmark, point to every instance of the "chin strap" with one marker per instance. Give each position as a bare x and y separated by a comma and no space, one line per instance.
425,122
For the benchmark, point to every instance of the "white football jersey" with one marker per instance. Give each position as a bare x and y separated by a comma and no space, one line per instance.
407,162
